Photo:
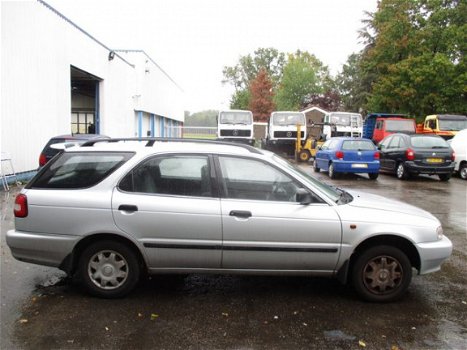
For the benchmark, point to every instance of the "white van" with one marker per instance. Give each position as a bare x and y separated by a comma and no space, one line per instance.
459,145
235,125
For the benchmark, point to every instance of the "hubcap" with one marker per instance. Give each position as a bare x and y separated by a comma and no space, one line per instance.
382,275
400,171
108,269
464,173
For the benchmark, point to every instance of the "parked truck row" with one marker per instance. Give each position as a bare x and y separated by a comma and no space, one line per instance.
287,130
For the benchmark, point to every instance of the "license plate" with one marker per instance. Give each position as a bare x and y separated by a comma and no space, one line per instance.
360,166
434,160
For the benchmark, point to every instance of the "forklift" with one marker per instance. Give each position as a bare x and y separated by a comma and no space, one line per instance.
307,150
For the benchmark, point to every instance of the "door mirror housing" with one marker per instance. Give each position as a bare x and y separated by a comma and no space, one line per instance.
303,196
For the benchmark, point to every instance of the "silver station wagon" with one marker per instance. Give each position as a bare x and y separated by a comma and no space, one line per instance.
112,209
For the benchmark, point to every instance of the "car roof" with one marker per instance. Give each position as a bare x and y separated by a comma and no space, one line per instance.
79,136
156,145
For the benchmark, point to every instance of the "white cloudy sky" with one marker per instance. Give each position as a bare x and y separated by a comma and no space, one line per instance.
192,40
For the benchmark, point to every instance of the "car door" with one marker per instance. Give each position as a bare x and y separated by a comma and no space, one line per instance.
383,155
394,152
326,154
168,203
265,228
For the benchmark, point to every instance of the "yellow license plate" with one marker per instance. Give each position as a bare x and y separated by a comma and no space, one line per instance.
434,160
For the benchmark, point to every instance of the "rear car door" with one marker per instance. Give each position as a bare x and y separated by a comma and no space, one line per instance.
264,228
170,205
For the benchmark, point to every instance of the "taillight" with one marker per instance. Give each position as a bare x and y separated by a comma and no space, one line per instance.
340,155
21,206
376,155
409,154
42,159
453,156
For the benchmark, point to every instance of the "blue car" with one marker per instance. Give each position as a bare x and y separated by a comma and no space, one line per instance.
348,155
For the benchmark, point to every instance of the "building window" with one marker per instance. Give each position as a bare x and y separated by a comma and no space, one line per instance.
82,122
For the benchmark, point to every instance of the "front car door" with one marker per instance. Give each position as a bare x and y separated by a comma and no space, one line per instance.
170,205
264,228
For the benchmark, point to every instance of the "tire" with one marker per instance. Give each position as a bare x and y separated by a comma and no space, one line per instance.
331,172
444,177
304,155
115,260
315,167
373,176
381,274
401,171
463,171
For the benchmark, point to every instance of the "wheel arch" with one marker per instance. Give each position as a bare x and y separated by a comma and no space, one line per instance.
406,246
70,263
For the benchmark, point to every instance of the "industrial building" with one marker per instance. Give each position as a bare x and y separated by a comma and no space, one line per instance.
56,79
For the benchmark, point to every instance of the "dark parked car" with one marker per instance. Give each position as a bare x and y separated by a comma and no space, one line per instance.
408,155
49,152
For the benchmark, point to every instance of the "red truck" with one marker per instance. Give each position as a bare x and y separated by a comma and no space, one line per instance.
379,125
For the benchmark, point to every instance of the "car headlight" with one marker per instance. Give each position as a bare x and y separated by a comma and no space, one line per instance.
439,232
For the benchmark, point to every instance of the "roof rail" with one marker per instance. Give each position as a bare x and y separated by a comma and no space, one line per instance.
150,141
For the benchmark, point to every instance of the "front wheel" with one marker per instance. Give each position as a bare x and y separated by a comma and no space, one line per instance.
381,274
304,155
315,166
108,269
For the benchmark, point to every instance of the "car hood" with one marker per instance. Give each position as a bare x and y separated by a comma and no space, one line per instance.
373,201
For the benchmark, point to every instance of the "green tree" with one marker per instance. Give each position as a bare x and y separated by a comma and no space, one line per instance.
240,99
249,66
303,75
414,61
261,101
203,118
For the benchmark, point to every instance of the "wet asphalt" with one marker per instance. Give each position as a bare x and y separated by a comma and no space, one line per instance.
42,309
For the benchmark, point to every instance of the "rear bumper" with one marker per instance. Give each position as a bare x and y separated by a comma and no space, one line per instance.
418,169
40,248
356,167
432,254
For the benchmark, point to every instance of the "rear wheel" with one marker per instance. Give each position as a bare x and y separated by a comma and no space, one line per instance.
331,171
373,176
381,274
108,269
444,177
463,171
401,172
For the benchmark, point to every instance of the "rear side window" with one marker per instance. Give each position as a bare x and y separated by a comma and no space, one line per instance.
79,170
358,145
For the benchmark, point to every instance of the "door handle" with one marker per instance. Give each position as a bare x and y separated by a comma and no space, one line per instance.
128,207
240,214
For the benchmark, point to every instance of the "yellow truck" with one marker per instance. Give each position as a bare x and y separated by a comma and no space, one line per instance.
444,125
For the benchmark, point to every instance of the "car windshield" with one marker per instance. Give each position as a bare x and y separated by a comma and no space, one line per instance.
331,192
358,145
284,118
428,142
452,125
400,125
236,118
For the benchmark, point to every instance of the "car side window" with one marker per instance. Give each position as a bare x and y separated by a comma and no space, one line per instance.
325,145
333,144
171,175
395,142
251,179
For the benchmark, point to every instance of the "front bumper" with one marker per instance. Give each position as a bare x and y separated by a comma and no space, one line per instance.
40,248
432,254
431,170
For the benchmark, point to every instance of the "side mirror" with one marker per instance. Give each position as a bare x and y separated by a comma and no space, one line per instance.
380,147
303,196
318,148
